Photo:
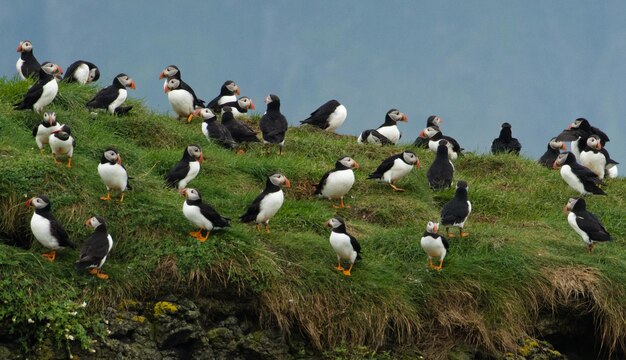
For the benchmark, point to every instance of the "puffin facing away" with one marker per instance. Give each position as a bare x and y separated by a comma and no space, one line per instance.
201,215
577,176
273,124
186,169
586,224
506,143
228,93
329,116
596,158
46,228
82,72
441,171
395,168
113,96
345,245
267,204
27,65
43,91
422,140
62,143
435,136
113,173
456,211
172,71
95,250
554,149
434,245
42,131
336,183
389,129
213,130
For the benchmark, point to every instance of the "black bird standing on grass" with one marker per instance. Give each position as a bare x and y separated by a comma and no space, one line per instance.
577,176
46,228
239,131
43,92
273,124
457,210
187,168
95,250
82,72
329,116
27,65
506,143
586,224
113,96
441,171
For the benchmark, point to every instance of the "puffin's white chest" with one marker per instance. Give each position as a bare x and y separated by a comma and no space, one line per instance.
399,170
194,169
338,183
114,176
572,180
575,150
121,97
81,74
270,205
433,246
193,214
18,66
60,147
595,161
110,240
571,219
181,102
337,117
391,132
205,129
43,134
342,246
50,90
40,226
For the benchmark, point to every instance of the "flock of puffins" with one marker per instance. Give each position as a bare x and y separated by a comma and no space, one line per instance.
583,169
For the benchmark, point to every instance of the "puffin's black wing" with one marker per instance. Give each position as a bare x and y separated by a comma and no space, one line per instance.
515,146
196,101
548,158
32,95
123,110
59,233
103,98
585,174
69,73
497,146
454,212
440,175
208,212
273,126
35,130
220,134
213,104
240,131
421,142
384,167
604,138
177,173
590,224
608,157
444,241
93,250
455,144
319,117
355,245
322,183
253,210
568,135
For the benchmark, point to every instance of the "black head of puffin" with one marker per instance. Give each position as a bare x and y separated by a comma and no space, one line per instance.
232,87
191,194
557,144
172,84
411,158
246,103
335,222
580,123
94,221
594,142
39,202
432,227
433,120
570,205
126,81
271,98
561,159
94,74
169,71
205,113
51,68
397,115
348,162
196,152
112,156
50,118
25,46
461,184
429,132
279,179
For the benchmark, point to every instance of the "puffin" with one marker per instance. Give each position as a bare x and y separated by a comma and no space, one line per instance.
228,93
62,143
506,143
329,116
187,168
441,171
267,204
239,131
434,245
113,173
345,245
42,131
554,149
27,65
201,215
337,182
371,136
422,142
181,100
389,129
43,91
578,132
113,96
213,130
273,123
456,211
95,250
241,106
46,228
172,71
395,168
82,72
434,136
586,224
596,158
578,177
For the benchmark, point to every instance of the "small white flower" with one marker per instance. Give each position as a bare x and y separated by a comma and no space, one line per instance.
73,313
13,319
48,325
93,351
84,304
70,337
106,322
31,321
108,332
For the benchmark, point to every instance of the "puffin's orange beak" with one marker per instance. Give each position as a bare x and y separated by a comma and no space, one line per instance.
327,224
418,164
405,118
569,127
422,134
436,228
599,146
565,210
19,47
287,183
162,75
28,202
201,158
166,89
196,112
252,105
183,192
119,160
238,91
51,120
132,85
563,147
356,165
554,165
88,222
59,69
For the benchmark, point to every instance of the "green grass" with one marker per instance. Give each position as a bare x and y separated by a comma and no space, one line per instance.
521,258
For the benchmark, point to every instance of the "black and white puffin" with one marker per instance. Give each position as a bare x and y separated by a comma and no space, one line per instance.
371,136
336,183
62,143
267,204
395,168
329,116
187,168
389,129
181,101
586,224
506,143
422,141
456,211
241,106
82,72
172,71
554,149
596,158
113,96
213,130
577,176
113,173
434,136
46,228
240,131
228,93
578,132
273,123
95,250
201,215
434,245
345,245
441,171
43,91
27,65
42,131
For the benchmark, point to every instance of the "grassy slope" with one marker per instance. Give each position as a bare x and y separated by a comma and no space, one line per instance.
521,255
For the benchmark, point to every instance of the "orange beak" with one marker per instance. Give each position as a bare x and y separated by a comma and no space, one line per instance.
418,164
599,146
59,69
119,160
88,222
436,228
422,134
166,89
565,210
555,166
569,127
28,202
356,165
251,105
183,192
201,158
405,118
196,112
132,85
19,47
162,75
327,224
563,147
238,91
287,183
51,120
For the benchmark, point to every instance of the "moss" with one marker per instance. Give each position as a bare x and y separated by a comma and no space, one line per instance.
139,318
164,307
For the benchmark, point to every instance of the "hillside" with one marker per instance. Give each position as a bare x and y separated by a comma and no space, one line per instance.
522,265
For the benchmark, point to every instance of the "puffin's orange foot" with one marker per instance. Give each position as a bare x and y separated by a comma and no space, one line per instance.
102,276
451,235
93,271
464,234
395,187
340,268
52,255
346,272
189,118
267,229
106,198
202,238
122,198
240,152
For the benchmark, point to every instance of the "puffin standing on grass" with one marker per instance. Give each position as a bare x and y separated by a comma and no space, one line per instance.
181,100
554,149
213,130
273,124
345,245
329,116
441,171
267,204
172,72
336,183
422,140
228,93
586,224
27,65
95,250
434,245
43,91
201,215
82,72
240,131
456,211
506,143
435,136
62,143
395,168
42,131
46,228
186,169
389,129
577,176
113,173
113,96
596,158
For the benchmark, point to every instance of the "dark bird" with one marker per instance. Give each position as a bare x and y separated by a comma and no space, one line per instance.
578,132
434,245
240,132
345,245
95,250
506,143
389,129
113,96
577,176
456,211
186,169
82,72
395,168
329,116
46,228
228,93
554,149
441,171
43,91
201,215
273,124
586,224
214,131
422,141
267,203
27,65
